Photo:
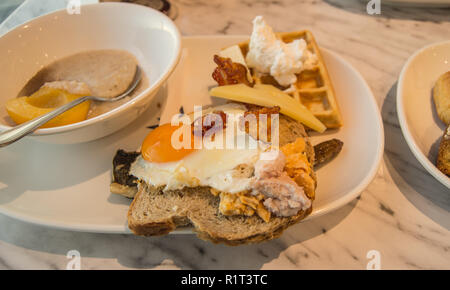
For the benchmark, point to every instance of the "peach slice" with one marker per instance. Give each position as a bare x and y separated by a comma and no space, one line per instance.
45,100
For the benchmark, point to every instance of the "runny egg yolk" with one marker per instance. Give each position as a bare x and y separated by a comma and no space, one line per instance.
158,148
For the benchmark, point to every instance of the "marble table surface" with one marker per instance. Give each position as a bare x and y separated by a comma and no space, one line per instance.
404,214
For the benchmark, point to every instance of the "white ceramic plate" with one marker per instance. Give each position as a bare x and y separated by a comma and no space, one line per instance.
415,106
67,186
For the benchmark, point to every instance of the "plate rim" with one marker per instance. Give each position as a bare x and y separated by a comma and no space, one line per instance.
334,205
413,147
364,183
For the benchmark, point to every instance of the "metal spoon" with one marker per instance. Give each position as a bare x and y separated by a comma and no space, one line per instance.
12,135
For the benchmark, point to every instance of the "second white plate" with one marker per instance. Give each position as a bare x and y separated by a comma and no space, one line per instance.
67,186
422,128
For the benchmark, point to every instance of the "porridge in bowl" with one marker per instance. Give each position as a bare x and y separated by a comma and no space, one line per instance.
99,73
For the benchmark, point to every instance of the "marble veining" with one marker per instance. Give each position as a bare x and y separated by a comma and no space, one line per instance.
404,214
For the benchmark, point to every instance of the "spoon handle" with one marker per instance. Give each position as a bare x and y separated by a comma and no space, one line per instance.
12,135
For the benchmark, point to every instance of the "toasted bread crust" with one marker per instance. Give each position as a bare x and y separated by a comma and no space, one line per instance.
259,237
201,211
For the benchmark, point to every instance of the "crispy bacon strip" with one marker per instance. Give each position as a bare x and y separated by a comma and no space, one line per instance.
229,73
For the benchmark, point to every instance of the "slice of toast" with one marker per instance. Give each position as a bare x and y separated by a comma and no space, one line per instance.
154,212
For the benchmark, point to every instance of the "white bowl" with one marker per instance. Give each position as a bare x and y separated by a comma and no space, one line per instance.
415,106
148,34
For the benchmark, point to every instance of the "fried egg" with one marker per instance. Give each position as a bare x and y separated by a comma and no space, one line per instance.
160,164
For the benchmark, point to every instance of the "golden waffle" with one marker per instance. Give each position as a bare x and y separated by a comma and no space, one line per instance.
313,88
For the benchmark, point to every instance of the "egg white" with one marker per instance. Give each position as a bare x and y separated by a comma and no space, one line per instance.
206,167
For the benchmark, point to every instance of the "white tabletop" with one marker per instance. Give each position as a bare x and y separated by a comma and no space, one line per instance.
404,215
